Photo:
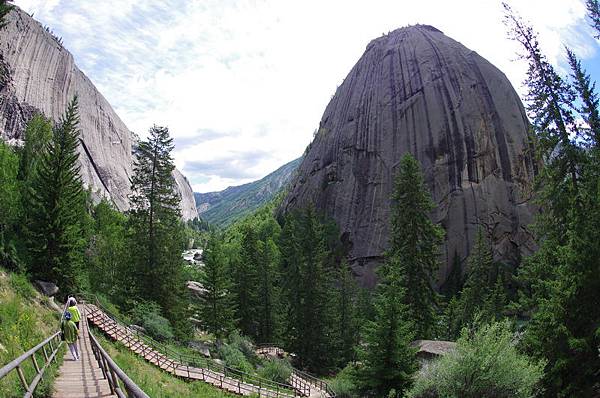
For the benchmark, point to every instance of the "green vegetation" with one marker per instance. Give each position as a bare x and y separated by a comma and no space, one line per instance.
26,319
485,363
235,203
155,382
561,281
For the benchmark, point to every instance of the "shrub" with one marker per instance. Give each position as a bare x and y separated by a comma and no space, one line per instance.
344,385
244,345
147,314
485,363
234,358
277,370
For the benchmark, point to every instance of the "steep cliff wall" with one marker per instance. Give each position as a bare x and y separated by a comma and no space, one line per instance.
416,90
40,75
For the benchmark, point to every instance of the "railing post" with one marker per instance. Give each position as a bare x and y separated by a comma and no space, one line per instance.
35,364
45,353
22,377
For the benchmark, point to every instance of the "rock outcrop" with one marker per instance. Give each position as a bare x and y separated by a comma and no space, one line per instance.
37,74
416,90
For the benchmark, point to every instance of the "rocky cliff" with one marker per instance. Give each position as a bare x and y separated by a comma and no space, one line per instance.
416,90
37,74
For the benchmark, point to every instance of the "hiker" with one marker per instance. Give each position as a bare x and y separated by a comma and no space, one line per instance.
75,315
70,334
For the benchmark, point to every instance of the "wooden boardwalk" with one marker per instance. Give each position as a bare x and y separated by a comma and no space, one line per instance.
127,337
83,378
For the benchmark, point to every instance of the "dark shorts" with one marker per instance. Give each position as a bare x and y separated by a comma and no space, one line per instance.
77,324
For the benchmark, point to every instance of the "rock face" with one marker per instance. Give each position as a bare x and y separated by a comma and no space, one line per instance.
37,74
416,90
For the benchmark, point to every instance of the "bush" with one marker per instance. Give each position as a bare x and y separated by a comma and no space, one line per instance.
147,314
343,384
277,370
234,358
244,345
485,363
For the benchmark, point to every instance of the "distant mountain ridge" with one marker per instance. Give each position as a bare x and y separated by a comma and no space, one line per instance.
222,208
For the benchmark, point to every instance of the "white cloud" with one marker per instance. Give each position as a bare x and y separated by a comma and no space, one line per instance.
261,72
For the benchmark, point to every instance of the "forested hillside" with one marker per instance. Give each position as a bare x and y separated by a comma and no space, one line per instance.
225,207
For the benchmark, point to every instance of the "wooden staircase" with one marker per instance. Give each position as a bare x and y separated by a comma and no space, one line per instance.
195,368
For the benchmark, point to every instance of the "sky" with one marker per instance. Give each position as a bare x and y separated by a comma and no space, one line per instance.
242,85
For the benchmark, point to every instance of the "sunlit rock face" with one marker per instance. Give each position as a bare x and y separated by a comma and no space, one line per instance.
416,90
37,74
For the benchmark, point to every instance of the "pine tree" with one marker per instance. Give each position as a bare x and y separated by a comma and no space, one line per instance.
38,134
387,361
245,282
593,8
10,207
589,100
315,327
478,284
268,292
561,281
346,315
156,233
414,245
55,206
217,305
108,250
308,289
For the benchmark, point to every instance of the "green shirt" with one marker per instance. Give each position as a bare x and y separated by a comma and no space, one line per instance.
70,331
75,316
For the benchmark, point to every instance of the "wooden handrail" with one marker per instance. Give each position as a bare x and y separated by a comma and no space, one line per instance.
16,363
111,371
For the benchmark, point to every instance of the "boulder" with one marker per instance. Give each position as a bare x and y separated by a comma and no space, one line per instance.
200,347
47,288
417,91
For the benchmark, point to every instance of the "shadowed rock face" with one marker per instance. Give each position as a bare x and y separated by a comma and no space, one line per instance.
416,90
38,75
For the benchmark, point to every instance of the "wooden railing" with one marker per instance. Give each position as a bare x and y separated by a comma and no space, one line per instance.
300,380
49,348
113,374
192,366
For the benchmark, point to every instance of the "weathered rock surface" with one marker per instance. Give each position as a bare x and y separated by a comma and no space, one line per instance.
47,288
416,90
37,74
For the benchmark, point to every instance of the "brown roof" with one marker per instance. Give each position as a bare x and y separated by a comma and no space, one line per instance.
437,347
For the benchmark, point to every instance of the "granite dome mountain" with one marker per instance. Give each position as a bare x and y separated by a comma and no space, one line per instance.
416,90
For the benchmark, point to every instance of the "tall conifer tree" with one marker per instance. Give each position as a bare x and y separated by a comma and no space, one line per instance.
245,282
561,281
414,245
56,204
156,231
217,305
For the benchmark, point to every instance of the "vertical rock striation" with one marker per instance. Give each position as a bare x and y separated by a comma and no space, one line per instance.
416,90
37,74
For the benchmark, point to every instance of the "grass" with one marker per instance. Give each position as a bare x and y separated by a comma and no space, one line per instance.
26,319
154,381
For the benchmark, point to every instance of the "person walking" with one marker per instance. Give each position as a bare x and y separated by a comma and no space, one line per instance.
75,315
70,333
